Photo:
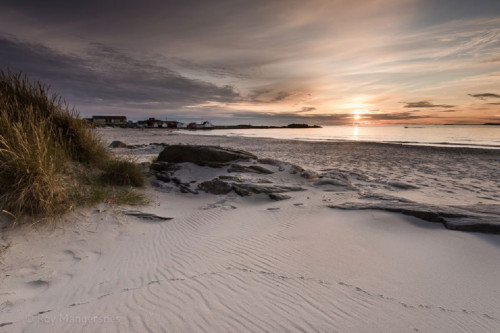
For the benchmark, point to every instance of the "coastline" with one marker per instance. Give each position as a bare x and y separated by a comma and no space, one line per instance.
247,263
487,138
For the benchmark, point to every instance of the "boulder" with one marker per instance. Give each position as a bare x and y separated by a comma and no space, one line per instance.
215,186
117,144
202,155
278,197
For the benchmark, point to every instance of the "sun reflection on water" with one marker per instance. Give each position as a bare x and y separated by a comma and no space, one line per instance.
355,133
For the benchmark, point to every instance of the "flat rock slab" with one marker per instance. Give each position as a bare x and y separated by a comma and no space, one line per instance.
249,168
454,218
146,216
202,155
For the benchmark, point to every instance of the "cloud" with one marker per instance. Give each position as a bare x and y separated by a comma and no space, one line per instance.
426,104
306,109
326,119
484,96
102,75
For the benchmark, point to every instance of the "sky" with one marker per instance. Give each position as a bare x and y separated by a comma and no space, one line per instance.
325,62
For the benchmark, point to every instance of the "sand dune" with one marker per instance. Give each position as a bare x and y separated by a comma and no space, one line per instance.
226,263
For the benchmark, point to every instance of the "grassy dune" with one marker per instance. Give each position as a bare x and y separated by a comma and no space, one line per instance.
50,159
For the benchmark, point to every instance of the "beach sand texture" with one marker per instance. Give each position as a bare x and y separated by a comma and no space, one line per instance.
227,263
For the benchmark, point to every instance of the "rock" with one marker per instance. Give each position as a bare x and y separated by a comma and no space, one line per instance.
146,216
215,186
202,155
247,189
117,144
163,176
333,182
241,191
270,161
184,188
278,197
401,185
250,168
308,174
232,178
135,146
176,180
162,186
159,166
294,169
454,218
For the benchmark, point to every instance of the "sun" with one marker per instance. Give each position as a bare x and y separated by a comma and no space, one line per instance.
357,117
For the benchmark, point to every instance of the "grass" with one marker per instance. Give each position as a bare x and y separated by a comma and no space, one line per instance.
50,158
122,173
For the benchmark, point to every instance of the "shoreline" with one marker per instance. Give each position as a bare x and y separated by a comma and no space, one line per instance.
203,132
493,148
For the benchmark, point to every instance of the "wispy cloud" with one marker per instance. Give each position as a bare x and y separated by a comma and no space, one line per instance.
484,96
426,104
223,58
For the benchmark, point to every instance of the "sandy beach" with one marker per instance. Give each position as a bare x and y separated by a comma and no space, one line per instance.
363,243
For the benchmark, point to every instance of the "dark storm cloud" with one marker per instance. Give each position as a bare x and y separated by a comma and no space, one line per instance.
426,104
485,95
108,76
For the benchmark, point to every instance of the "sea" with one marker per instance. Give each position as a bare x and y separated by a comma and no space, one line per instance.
470,136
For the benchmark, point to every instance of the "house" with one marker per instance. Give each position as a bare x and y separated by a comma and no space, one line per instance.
203,125
109,120
173,124
207,124
151,122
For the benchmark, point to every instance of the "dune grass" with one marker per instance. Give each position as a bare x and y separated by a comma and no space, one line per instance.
50,158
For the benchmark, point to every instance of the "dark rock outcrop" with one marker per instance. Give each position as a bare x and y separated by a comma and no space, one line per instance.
250,168
202,155
163,176
215,186
247,189
117,144
159,166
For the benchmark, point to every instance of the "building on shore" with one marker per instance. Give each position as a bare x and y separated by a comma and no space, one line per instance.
157,123
203,125
109,120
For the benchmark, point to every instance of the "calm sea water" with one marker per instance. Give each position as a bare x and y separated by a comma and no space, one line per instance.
451,136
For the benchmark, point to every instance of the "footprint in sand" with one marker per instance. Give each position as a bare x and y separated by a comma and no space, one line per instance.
72,255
